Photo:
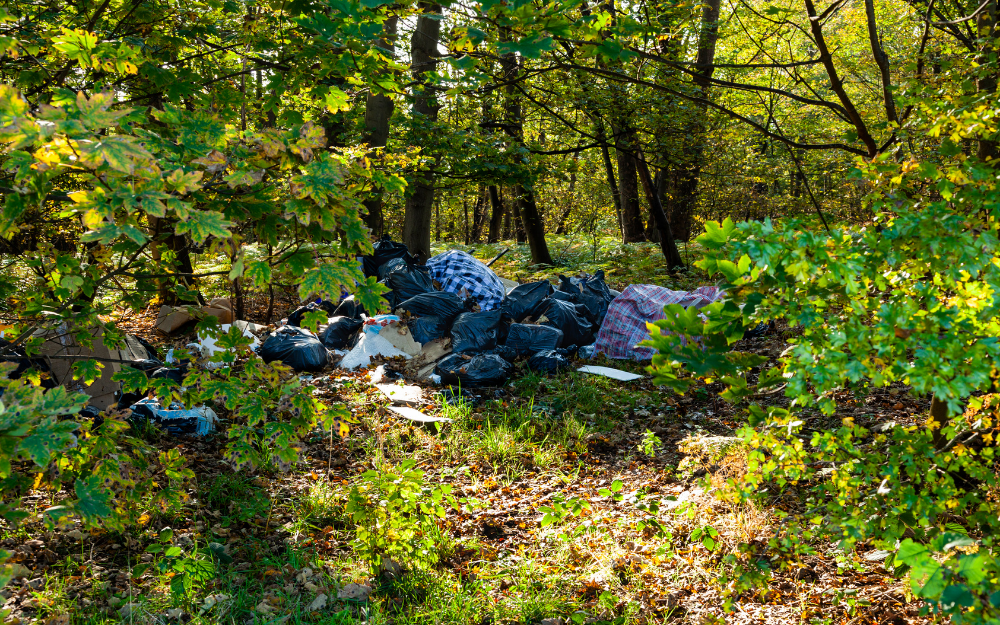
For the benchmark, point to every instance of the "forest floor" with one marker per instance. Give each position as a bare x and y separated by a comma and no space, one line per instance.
540,445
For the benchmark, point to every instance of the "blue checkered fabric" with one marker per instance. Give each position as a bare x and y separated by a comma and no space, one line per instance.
457,270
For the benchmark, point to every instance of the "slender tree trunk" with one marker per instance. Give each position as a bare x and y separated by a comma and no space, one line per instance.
667,243
628,187
524,197
479,214
424,54
613,185
378,111
496,217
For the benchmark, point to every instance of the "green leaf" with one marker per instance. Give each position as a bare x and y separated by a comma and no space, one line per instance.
204,224
92,498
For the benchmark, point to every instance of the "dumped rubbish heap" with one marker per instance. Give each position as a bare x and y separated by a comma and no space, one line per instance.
452,322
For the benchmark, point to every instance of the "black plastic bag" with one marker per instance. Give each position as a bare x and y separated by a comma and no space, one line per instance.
406,281
436,304
479,370
761,329
591,292
507,353
576,328
426,329
528,339
549,361
295,347
350,307
327,308
524,300
339,333
475,332
384,250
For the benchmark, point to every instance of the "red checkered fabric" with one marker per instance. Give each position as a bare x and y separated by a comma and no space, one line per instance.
639,304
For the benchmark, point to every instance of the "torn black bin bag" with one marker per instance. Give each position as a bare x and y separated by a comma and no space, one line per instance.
436,304
507,353
549,361
479,370
296,347
350,307
406,281
524,300
475,332
340,331
385,250
426,329
576,328
295,318
591,292
528,339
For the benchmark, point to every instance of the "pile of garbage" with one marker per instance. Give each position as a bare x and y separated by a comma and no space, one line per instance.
456,322
453,322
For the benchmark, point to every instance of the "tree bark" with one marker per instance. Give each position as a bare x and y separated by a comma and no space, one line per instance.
531,218
684,180
628,187
667,243
424,54
378,111
496,217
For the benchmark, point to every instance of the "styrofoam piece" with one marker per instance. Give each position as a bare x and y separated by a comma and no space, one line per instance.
415,415
409,394
370,345
608,372
208,347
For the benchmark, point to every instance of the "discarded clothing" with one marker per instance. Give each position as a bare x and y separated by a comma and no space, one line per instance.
296,347
625,324
457,271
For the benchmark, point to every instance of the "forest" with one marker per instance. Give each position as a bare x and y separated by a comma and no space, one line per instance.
483,312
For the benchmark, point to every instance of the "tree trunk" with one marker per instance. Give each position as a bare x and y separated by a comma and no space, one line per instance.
378,111
628,187
424,53
479,214
613,185
496,217
531,219
685,177
667,243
